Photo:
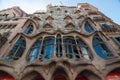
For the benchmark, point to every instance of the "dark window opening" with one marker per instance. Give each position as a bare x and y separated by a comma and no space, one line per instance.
84,50
58,46
116,40
88,27
17,50
100,48
35,49
48,48
70,47
29,29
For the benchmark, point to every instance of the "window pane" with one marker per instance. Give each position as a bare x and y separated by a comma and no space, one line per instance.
84,50
100,48
17,50
85,53
34,54
35,49
48,46
29,29
88,27
58,46
70,47
116,40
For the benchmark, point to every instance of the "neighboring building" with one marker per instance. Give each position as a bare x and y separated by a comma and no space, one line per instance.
62,43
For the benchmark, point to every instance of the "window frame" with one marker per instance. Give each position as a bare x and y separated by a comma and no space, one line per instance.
70,53
88,27
27,29
85,46
37,47
116,41
46,45
106,52
59,48
12,55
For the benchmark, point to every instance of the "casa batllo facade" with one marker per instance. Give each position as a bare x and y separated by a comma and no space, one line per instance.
61,43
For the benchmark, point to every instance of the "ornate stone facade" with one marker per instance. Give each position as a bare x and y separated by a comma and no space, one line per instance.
62,43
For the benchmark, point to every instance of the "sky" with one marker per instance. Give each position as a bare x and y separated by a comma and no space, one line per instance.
110,8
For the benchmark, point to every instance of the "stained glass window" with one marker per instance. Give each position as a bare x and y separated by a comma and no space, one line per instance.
28,29
70,47
58,46
100,48
84,50
48,47
17,50
35,49
88,27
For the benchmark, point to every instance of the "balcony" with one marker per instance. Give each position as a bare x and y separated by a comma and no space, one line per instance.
98,18
106,27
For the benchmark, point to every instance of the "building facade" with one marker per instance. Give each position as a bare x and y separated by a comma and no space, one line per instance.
61,43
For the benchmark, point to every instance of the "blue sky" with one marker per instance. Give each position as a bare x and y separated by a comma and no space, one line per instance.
110,8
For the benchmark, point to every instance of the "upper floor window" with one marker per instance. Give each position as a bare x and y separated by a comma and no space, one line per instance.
48,48
116,40
17,50
100,48
70,47
3,39
28,29
84,50
106,27
58,46
35,50
88,27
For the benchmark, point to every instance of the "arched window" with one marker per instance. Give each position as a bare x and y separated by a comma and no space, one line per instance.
28,29
35,50
48,47
88,27
58,46
17,50
84,50
100,48
70,47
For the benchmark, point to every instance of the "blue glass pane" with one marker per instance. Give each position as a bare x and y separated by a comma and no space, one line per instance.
34,54
70,49
100,48
88,27
19,52
37,44
49,41
35,50
48,52
28,29
8,58
48,46
100,51
17,49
